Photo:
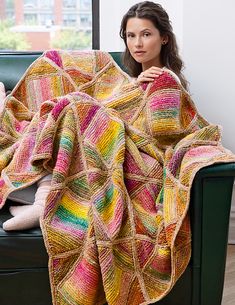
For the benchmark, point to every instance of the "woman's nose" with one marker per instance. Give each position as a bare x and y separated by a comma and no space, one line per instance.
138,42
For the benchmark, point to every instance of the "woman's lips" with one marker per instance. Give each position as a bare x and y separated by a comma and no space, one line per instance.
139,52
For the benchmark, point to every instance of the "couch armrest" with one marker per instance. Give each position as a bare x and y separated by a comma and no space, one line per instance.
210,210
217,170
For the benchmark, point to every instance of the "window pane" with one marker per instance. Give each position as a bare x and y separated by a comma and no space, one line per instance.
69,3
36,25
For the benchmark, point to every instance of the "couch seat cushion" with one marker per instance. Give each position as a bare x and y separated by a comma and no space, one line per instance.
21,249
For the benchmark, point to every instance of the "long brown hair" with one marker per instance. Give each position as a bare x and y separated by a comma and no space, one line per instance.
169,52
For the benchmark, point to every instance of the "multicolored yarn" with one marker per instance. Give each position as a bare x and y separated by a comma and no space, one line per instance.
122,158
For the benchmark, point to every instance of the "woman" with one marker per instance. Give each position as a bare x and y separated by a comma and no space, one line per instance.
150,47
150,43
122,156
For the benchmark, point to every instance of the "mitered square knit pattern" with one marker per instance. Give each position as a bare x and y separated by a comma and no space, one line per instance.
122,158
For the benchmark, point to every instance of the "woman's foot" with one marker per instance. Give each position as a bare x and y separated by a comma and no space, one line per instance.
18,209
27,219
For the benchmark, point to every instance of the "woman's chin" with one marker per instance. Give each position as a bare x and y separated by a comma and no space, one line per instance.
138,60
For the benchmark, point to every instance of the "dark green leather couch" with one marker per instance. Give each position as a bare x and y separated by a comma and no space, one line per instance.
23,258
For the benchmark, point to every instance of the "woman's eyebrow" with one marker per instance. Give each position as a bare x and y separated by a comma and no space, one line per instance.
146,29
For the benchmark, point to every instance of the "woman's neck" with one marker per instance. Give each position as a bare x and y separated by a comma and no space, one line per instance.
148,65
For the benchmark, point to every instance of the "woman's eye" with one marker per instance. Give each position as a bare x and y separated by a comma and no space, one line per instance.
147,34
130,35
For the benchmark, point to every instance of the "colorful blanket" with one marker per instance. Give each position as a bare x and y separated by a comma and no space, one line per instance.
123,158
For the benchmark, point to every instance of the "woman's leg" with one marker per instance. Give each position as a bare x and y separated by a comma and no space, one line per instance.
27,217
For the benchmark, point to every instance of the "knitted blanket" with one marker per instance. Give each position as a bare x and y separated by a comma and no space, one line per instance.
122,158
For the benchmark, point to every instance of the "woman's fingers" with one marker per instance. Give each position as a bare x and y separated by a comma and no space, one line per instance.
149,75
154,68
153,74
154,71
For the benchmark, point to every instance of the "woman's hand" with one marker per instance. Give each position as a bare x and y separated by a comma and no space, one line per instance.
2,92
149,75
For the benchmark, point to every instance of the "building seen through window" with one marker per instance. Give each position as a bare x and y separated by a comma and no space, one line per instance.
36,25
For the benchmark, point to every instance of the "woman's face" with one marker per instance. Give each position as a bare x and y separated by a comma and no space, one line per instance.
144,42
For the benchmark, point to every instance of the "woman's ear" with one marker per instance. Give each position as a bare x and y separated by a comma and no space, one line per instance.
164,40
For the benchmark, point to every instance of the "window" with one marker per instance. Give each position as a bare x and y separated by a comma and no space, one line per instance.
85,4
70,20
30,19
85,21
30,3
69,3
46,3
46,19
8,10
10,4
66,24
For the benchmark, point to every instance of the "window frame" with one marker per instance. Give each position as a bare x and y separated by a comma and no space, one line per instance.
95,24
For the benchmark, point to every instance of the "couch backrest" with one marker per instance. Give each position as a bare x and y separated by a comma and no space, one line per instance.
13,66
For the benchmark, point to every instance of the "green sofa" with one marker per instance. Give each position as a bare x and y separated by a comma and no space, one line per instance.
23,258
